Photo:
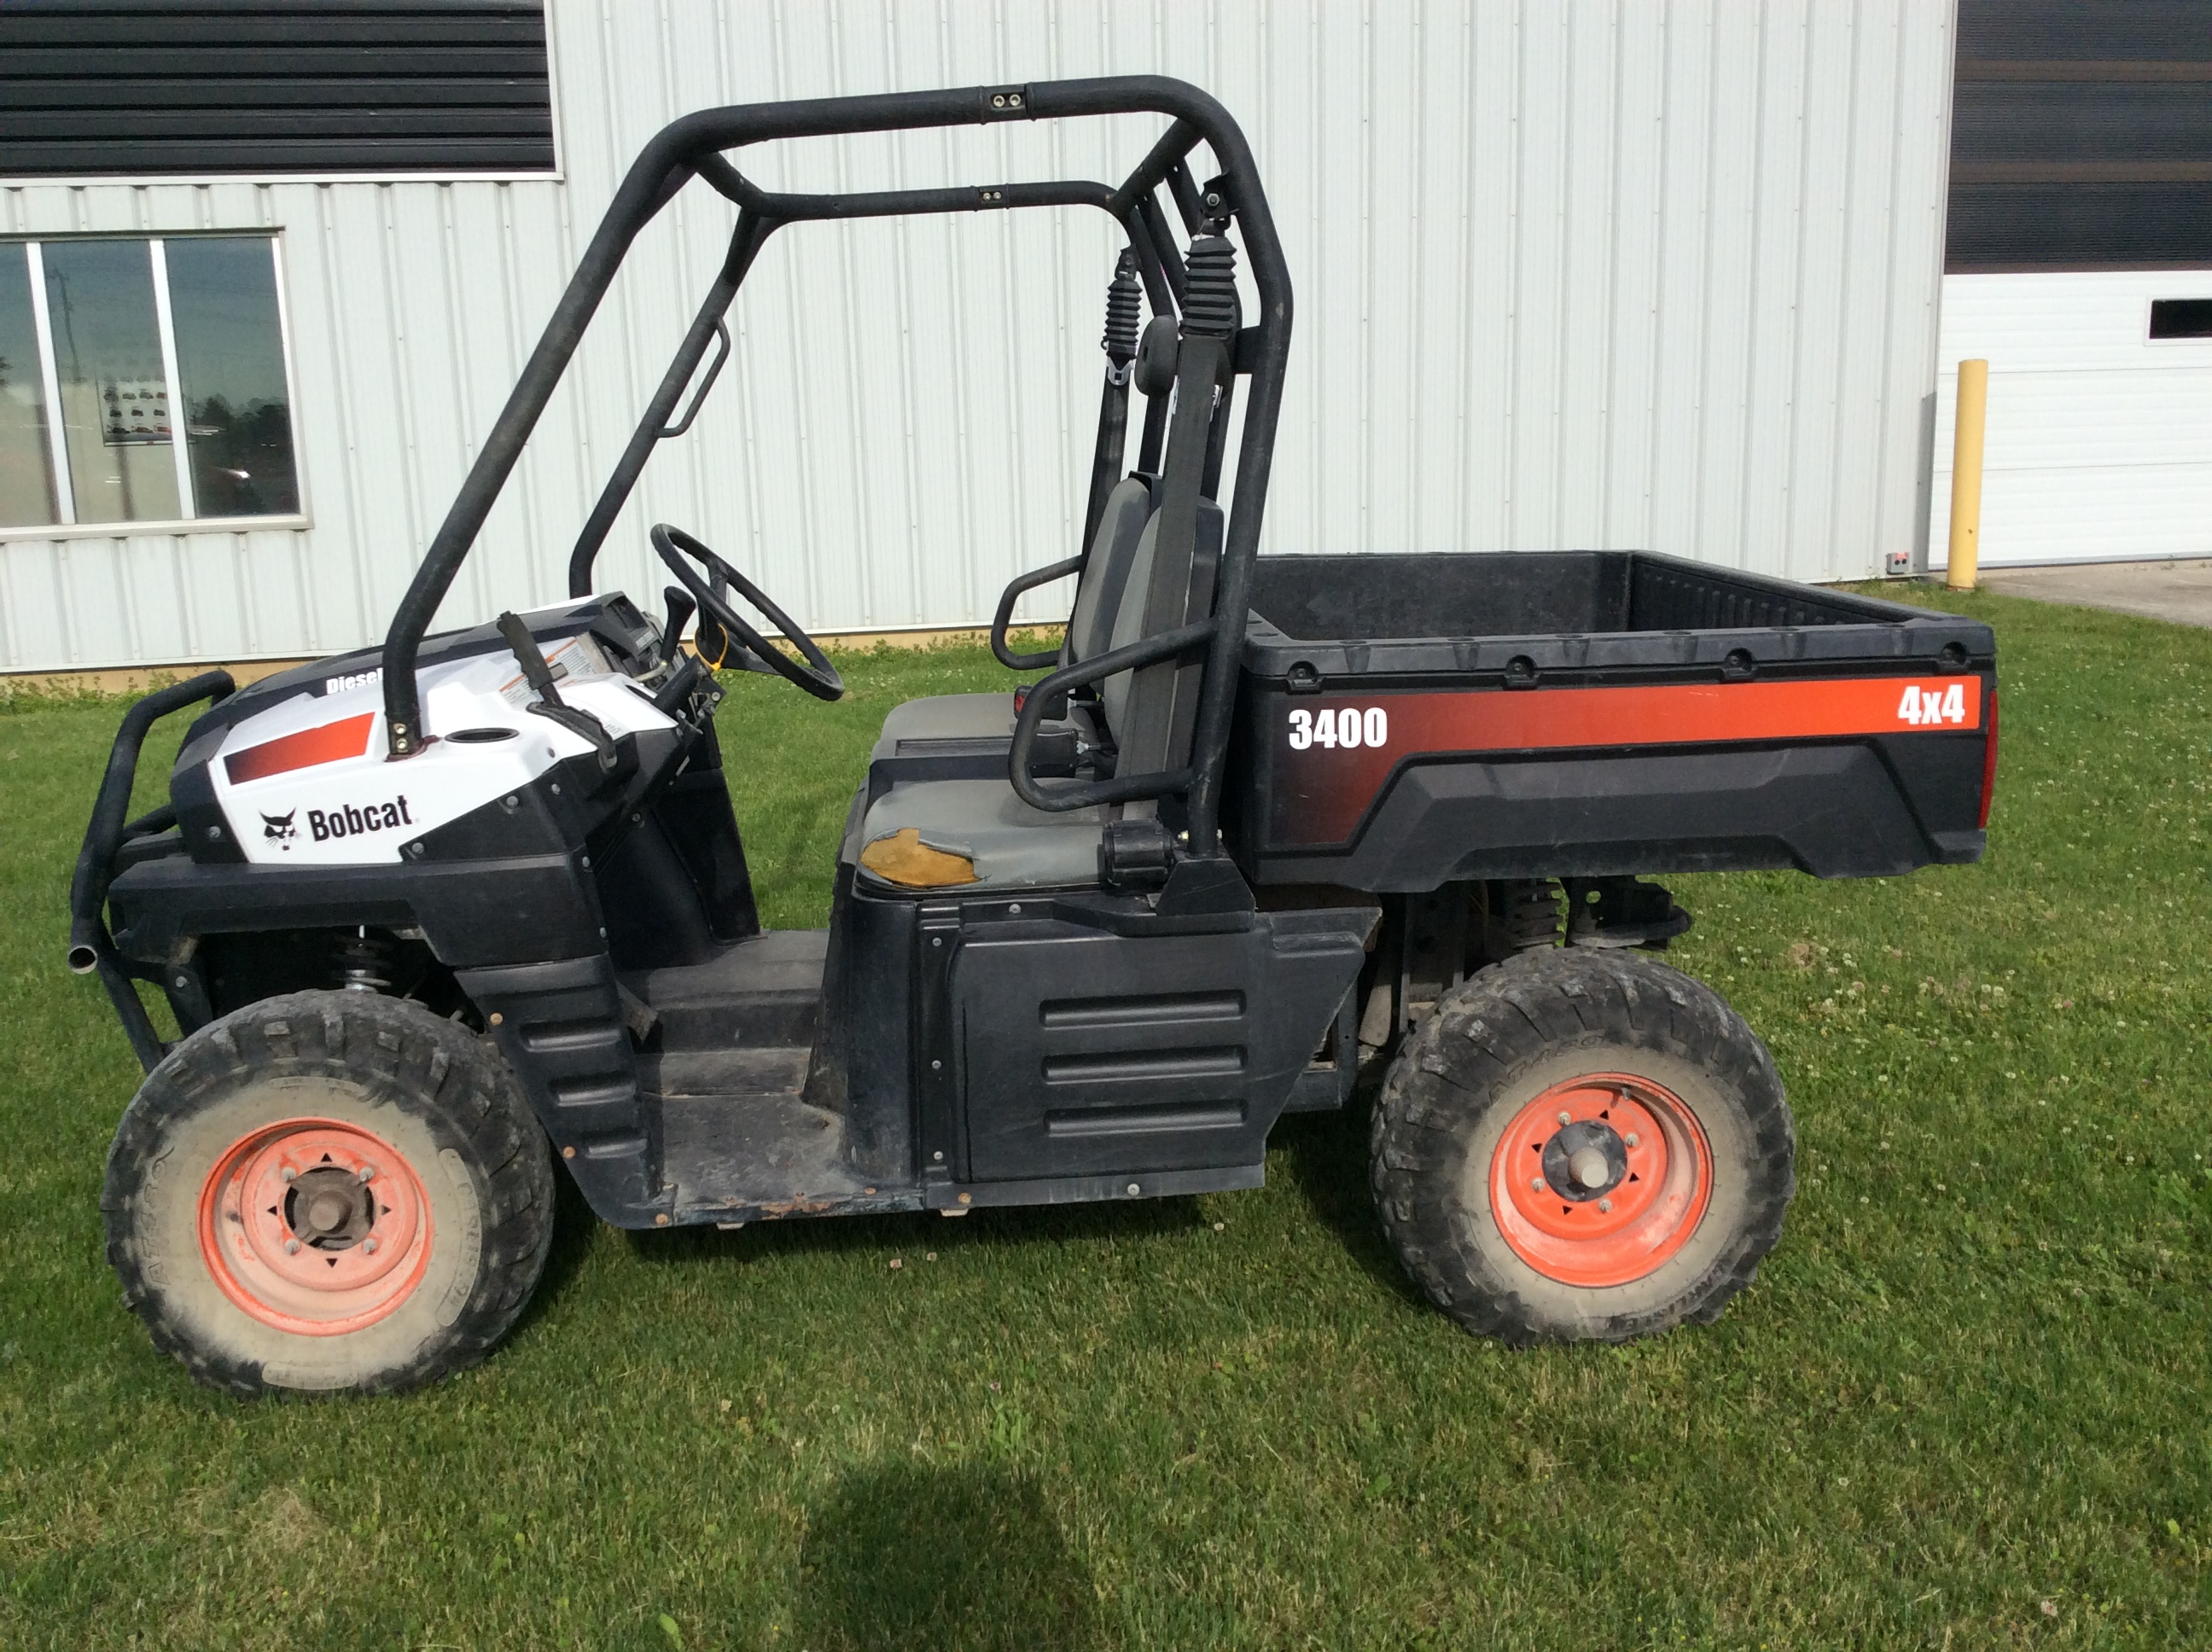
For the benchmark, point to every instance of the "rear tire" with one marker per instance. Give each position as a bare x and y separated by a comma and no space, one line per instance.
1581,1146
330,1190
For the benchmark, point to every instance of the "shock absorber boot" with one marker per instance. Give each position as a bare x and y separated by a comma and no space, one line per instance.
1124,312
1210,293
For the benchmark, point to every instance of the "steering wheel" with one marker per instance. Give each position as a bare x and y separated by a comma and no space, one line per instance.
815,673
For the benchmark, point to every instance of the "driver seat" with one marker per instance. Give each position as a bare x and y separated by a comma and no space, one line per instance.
919,735
912,825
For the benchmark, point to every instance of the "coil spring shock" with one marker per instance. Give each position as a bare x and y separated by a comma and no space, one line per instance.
1528,912
1209,293
365,961
1124,314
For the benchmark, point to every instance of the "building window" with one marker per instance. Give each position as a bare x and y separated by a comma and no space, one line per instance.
144,381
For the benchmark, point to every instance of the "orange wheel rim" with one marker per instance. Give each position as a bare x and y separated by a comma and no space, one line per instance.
315,1226
1600,1180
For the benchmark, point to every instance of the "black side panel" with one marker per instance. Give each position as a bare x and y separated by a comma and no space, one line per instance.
653,910
695,811
1089,1053
138,86
472,912
1835,811
561,1026
862,1065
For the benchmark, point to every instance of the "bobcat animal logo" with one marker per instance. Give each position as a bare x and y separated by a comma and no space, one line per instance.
280,827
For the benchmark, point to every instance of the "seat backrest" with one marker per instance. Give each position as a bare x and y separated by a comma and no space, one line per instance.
1106,567
1151,711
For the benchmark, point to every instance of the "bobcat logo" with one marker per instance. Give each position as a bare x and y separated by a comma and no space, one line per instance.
280,827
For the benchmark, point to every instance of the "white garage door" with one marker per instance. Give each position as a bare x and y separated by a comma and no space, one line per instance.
2099,445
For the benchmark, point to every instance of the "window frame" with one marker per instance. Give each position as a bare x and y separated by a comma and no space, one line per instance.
50,384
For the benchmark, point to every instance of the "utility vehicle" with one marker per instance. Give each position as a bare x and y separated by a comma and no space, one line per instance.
442,921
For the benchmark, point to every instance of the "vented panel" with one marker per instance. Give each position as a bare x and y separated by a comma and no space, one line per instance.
197,86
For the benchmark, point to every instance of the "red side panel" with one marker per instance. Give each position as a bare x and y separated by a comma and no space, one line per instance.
348,738
1328,775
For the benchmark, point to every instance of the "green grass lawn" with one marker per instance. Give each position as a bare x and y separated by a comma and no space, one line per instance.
1966,1404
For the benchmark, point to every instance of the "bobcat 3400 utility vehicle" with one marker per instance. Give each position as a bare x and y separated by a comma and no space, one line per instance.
440,921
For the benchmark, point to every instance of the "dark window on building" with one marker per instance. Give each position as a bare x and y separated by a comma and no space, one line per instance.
144,381
185,87
2081,135
2181,318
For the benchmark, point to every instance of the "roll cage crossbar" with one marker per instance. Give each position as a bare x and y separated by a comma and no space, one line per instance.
694,147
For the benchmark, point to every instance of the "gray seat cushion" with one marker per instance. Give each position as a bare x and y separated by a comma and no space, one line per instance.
918,726
1012,845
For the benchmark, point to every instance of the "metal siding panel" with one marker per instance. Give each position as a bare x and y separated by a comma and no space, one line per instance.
1732,209
1824,285
1773,316
1538,317
1923,113
1638,144
1593,273
1494,228
1588,287
1687,239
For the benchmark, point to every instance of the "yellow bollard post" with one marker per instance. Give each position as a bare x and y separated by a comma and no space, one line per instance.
1966,476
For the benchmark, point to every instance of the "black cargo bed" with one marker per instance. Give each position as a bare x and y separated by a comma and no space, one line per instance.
1592,714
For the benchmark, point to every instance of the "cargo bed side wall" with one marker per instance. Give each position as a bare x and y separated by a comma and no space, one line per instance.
1665,595
1538,593
1502,593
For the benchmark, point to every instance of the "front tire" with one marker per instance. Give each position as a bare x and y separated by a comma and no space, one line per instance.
1581,1146
330,1190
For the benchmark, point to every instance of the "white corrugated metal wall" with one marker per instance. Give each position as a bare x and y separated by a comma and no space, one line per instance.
1597,273
2095,448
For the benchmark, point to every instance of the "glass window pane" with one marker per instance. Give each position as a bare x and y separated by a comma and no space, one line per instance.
27,474
230,357
115,398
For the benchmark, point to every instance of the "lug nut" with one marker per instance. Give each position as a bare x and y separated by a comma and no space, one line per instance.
291,1247
1565,1117
1631,1140
1535,1184
290,1175
366,1173
1604,1206
368,1247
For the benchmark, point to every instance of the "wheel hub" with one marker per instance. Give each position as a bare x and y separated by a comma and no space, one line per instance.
1600,1180
1585,1160
329,1208
315,1226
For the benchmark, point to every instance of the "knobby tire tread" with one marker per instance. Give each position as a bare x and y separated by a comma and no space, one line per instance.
1455,1065
461,1083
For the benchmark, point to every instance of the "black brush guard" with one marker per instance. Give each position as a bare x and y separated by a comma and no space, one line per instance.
92,948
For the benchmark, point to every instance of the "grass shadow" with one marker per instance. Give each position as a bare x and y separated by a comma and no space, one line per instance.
904,1555
1326,1154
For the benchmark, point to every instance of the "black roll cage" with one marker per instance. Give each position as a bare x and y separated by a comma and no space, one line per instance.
693,146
